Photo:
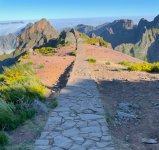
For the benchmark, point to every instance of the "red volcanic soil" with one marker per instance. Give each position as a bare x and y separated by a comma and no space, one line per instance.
50,68
107,54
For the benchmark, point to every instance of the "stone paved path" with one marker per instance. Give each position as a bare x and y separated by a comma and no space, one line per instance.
78,123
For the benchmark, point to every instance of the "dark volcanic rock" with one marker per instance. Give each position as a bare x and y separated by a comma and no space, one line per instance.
36,35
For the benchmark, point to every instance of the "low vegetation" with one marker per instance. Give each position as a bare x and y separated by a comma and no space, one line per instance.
40,66
145,66
91,60
74,52
18,88
53,103
25,56
108,63
3,139
48,51
98,41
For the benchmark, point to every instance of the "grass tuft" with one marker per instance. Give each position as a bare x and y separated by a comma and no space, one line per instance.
53,103
91,60
74,52
47,51
3,139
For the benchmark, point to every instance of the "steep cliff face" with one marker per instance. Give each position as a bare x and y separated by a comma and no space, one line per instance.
117,32
7,44
120,31
146,39
36,35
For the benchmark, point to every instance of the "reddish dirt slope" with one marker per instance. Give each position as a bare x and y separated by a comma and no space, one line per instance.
101,53
50,68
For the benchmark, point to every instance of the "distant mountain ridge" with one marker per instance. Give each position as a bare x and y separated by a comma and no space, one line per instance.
139,40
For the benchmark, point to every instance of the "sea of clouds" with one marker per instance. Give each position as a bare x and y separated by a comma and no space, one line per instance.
59,24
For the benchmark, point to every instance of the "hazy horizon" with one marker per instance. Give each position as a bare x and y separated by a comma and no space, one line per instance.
13,26
149,18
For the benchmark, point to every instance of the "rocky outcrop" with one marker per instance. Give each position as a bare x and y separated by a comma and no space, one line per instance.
7,44
68,36
36,35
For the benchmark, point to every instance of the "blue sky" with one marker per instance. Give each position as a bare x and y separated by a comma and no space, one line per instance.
52,9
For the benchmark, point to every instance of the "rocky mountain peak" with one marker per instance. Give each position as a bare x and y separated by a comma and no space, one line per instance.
123,24
143,23
156,21
38,34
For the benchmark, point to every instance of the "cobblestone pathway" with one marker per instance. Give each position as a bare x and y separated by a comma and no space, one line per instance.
78,123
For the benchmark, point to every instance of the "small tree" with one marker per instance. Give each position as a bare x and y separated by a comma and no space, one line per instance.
76,37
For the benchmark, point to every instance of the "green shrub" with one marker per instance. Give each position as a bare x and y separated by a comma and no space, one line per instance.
3,139
17,73
53,103
18,87
6,114
141,67
83,36
92,41
18,83
25,56
145,66
22,113
48,51
12,115
125,63
97,40
155,67
40,66
74,52
91,60
108,63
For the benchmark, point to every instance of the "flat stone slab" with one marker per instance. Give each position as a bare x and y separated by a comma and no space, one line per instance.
78,123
